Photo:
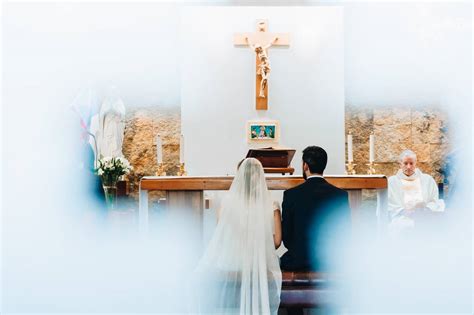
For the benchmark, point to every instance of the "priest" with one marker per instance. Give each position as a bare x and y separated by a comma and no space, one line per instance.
411,193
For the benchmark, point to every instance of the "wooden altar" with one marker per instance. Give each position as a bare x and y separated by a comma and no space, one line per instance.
188,192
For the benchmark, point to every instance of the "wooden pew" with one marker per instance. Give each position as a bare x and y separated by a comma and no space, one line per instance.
306,289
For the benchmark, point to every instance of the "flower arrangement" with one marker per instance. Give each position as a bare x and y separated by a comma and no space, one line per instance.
111,168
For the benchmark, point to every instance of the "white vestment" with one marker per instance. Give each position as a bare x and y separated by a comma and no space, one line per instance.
404,192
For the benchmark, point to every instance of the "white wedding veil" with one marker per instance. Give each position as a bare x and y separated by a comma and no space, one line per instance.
239,272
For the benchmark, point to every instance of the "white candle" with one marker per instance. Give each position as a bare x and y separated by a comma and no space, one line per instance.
372,149
181,149
159,150
350,157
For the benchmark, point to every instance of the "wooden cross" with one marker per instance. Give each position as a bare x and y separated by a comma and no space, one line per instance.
260,41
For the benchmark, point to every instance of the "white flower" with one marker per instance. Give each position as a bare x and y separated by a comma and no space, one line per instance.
106,159
114,166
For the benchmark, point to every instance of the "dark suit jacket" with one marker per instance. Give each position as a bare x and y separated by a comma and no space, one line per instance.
314,215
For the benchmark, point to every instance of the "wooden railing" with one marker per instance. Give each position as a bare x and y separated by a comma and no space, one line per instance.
188,192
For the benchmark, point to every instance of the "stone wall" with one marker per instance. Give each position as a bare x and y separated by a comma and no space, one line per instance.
139,145
423,130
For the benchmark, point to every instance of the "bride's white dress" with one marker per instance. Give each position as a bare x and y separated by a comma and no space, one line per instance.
239,272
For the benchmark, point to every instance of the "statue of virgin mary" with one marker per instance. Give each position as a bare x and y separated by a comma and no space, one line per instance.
110,125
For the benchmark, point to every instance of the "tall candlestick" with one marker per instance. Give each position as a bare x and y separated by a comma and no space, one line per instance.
350,157
372,148
159,150
181,150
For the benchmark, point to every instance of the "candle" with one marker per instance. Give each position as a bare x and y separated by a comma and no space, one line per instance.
159,150
181,150
372,149
350,157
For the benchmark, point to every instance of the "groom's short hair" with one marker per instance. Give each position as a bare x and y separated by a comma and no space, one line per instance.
316,158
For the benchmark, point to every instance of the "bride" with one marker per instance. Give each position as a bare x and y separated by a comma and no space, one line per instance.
239,272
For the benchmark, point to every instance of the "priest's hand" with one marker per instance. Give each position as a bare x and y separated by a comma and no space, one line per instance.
420,205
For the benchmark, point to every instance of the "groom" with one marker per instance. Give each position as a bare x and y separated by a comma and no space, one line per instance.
316,216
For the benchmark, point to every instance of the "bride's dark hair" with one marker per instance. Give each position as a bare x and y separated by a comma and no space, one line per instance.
240,163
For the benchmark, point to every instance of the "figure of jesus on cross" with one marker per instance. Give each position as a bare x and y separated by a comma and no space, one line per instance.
259,42
263,65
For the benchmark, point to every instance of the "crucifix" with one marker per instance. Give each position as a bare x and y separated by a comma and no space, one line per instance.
259,42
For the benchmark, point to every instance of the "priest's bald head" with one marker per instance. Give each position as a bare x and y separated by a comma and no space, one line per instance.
407,162
315,160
